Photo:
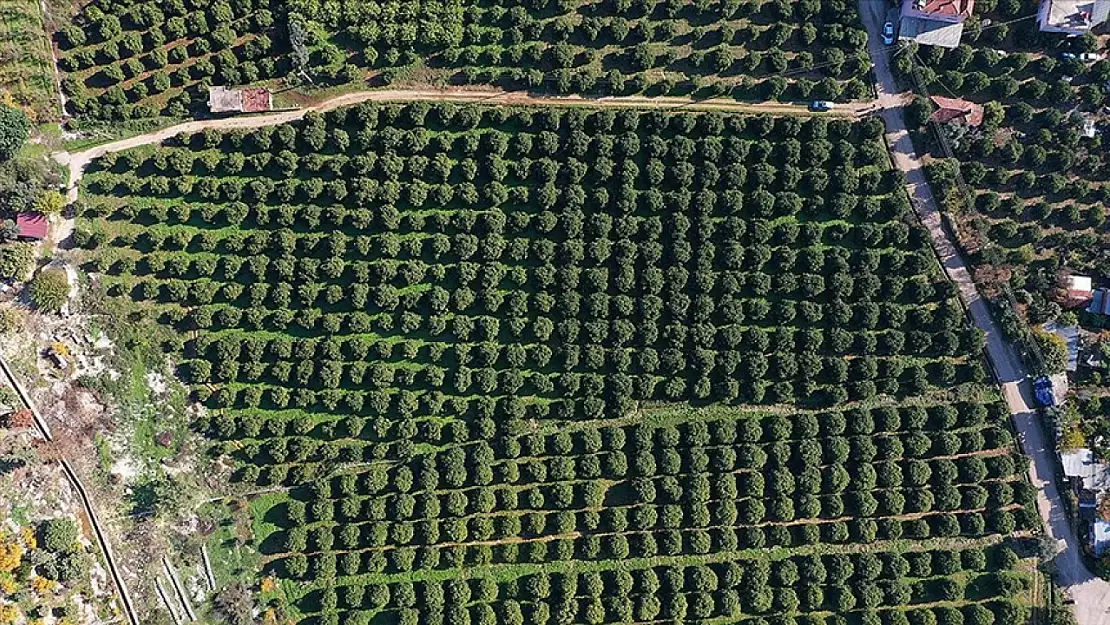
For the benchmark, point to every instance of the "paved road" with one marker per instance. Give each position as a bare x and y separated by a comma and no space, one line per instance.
1091,594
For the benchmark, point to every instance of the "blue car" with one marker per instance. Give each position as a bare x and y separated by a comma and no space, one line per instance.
1042,392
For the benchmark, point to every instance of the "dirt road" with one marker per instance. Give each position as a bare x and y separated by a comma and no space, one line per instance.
1091,594
78,161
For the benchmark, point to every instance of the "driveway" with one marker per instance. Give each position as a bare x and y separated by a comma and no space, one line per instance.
1091,594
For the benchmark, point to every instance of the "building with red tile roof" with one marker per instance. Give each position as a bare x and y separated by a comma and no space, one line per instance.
934,22
32,225
256,100
954,110
945,10
248,100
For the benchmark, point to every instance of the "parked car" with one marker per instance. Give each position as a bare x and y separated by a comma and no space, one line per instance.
821,105
1090,56
1042,391
1068,56
888,33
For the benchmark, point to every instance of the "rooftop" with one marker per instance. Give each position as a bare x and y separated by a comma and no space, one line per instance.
944,10
930,32
256,100
1082,465
1100,303
248,100
1079,284
32,225
946,7
224,100
957,110
1070,334
1074,17
1100,536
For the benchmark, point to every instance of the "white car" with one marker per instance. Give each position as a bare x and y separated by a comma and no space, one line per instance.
1090,56
888,33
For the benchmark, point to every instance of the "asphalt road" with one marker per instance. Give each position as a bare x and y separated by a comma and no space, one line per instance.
1091,594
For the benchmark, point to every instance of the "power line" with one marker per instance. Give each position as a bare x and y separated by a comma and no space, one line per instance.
919,82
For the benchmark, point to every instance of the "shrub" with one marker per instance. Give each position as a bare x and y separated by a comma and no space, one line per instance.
50,289
59,535
15,260
14,128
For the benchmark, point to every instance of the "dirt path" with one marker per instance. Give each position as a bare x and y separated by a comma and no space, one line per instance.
1090,593
78,161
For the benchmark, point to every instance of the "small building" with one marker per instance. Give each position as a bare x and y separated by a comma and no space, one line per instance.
32,226
1088,506
1079,291
1090,128
246,100
1084,471
1070,335
1100,537
956,111
1100,302
1072,17
935,22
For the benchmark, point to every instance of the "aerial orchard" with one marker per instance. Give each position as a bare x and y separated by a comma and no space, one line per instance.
132,59
1036,168
745,48
543,346
534,264
124,59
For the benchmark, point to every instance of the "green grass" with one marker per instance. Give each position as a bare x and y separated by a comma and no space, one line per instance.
231,559
27,73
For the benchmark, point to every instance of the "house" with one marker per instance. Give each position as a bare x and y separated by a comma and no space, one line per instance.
955,110
1090,128
1100,537
1079,291
1072,17
1100,302
247,100
935,22
1084,471
32,226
